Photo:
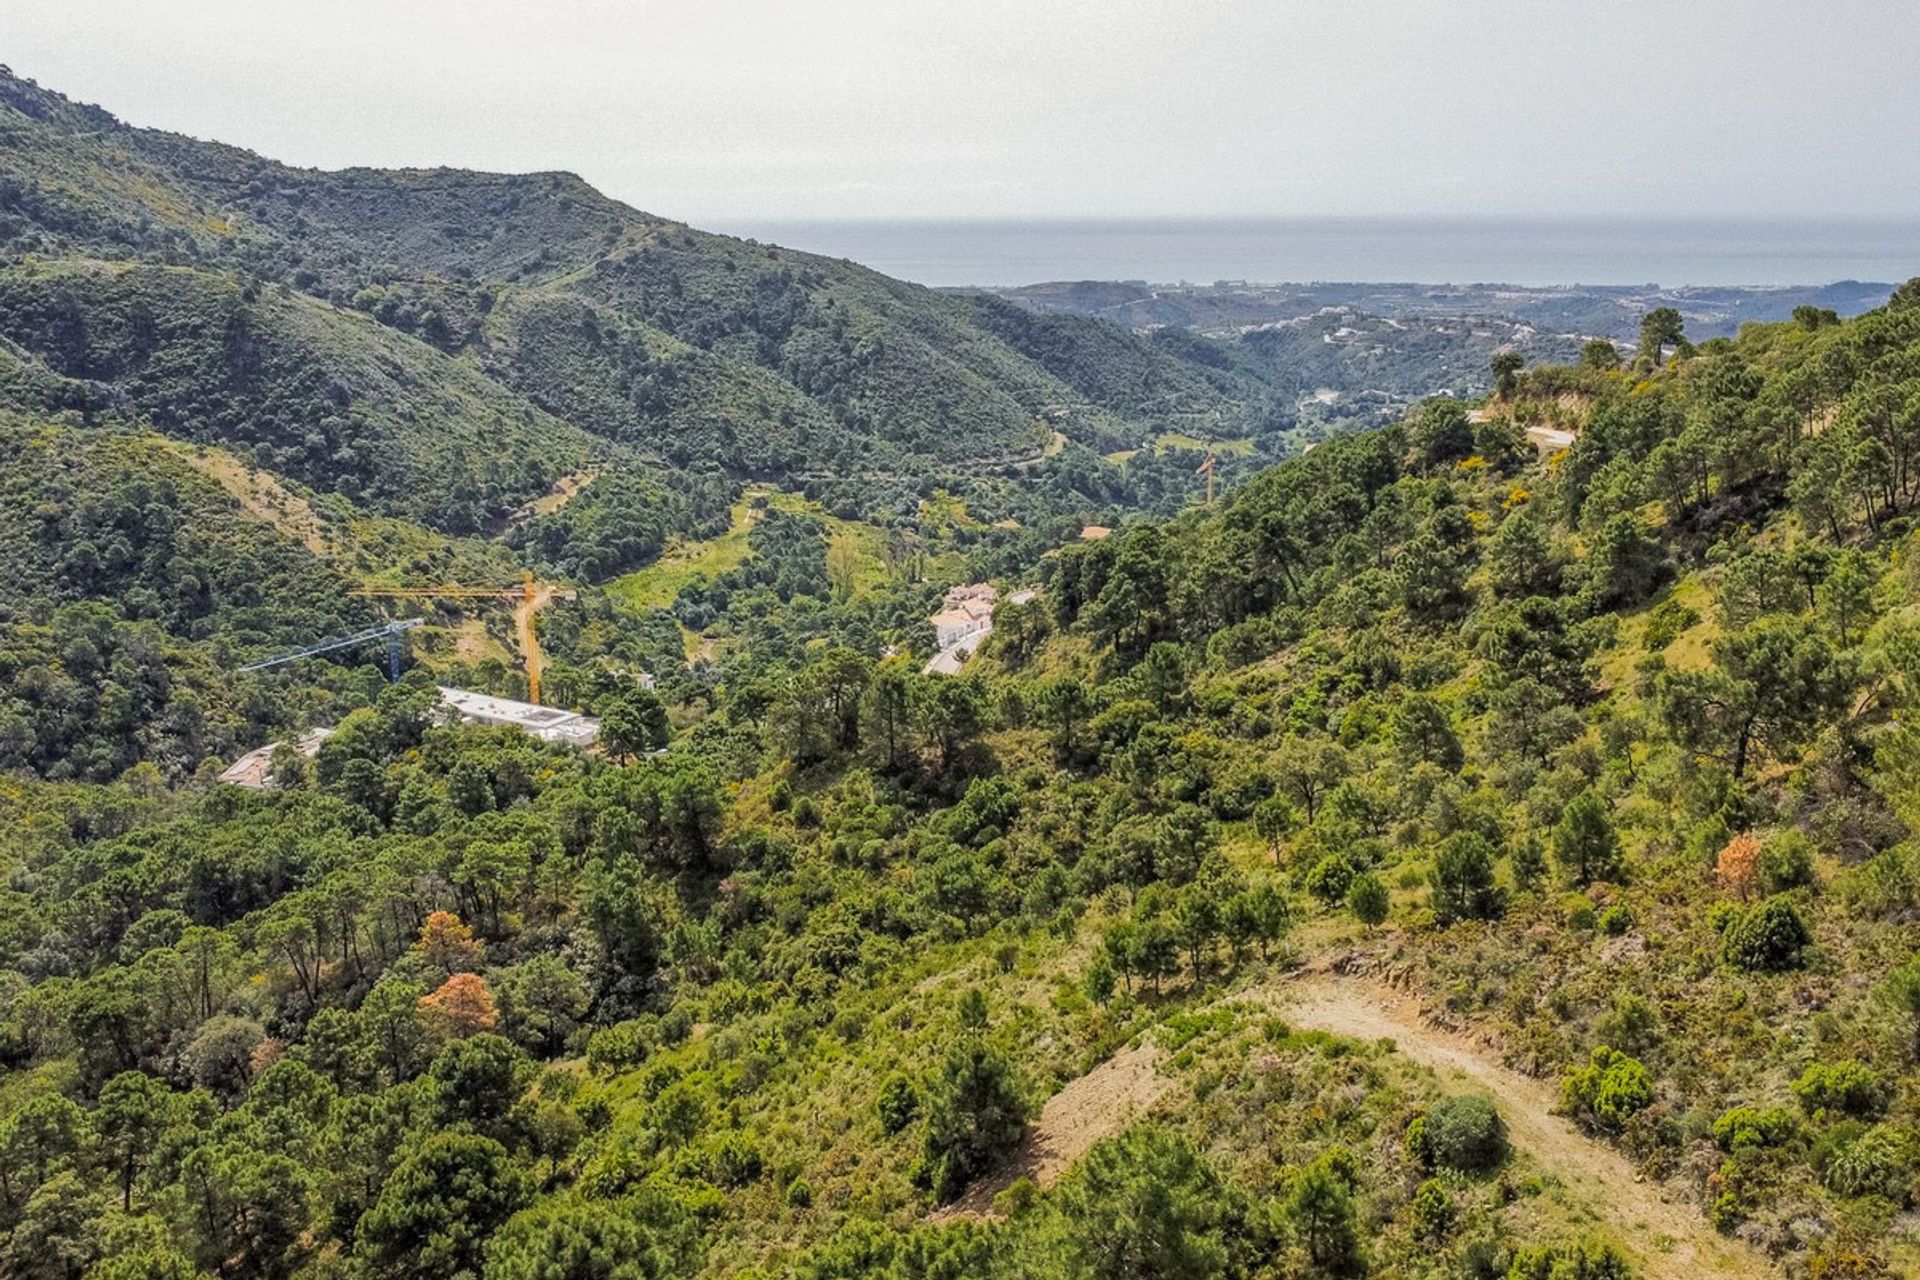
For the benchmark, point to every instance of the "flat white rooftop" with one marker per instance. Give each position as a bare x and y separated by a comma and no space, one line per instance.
549,724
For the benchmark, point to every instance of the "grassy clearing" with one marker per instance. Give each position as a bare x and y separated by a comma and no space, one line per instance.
565,490
1179,440
1689,651
860,546
946,511
259,494
655,586
467,640
377,549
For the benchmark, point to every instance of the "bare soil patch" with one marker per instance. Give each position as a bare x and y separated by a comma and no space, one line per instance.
1100,1104
262,496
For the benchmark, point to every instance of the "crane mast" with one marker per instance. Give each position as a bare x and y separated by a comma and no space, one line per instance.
526,597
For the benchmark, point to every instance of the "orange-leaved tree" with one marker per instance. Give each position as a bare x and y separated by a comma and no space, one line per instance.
449,944
1739,865
463,1006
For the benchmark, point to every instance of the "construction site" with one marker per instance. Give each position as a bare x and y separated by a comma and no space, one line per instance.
254,770
549,724
526,598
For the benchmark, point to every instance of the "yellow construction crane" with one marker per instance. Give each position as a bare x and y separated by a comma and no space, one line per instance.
526,597
1206,469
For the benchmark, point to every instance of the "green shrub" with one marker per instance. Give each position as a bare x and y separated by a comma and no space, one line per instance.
1099,980
1632,1023
1584,841
1880,1162
1319,1204
733,1159
899,1102
1743,1127
1847,1087
975,1115
1588,1260
622,1046
1610,1090
1329,879
681,1110
1665,622
1367,898
1465,1133
1528,862
1462,880
1616,920
1432,1210
1020,1195
1786,863
1769,937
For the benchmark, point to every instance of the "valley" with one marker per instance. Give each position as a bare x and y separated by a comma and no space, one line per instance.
1432,793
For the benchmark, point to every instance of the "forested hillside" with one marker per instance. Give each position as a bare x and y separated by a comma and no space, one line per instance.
434,377
1588,772
321,396
685,346
1482,847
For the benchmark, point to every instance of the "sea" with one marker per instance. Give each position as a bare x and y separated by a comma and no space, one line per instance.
1538,252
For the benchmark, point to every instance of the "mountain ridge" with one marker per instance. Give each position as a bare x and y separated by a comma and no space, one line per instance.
883,363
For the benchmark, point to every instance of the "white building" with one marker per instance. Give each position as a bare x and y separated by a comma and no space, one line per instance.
967,611
950,626
549,724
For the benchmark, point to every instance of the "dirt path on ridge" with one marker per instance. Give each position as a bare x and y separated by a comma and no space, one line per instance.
1098,1105
1670,1237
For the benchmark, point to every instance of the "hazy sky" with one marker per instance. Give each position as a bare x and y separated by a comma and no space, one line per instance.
732,109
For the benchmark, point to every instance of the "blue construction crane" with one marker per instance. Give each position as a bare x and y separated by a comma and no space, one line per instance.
391,630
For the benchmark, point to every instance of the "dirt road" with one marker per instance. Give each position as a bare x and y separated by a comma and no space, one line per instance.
1669,1237
524,607
1550,439
1672,1239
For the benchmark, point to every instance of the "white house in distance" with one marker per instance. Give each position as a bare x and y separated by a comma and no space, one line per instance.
967,611
964,620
